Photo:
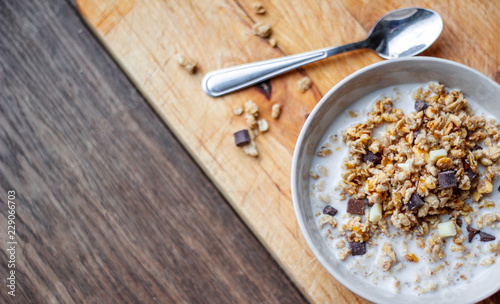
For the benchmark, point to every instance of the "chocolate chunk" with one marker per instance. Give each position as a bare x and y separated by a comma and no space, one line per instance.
265,88
371,157
477,147
472,233
357,248
330,210
498,188
415,202
242,138
420,105
459,222
356,206
471,175
447,179
369,203
485,237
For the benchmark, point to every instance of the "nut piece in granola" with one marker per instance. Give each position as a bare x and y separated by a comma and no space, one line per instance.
376,213
447,229
304,84
187,63
262,29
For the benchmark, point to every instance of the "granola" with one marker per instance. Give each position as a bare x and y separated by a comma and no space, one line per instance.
425,179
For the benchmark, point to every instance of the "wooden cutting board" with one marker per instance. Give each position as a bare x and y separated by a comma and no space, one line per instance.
144,37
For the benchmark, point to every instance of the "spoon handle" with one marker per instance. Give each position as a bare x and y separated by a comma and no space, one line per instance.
223,81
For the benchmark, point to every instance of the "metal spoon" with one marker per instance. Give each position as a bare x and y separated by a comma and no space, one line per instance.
400,33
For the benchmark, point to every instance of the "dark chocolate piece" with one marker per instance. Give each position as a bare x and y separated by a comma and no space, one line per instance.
447,179
265,88
242,138
485,237
472,233
369,204
477,147
415,202
472,176
459,222
498,188
330,210
420,105
371,157
357,248
356,206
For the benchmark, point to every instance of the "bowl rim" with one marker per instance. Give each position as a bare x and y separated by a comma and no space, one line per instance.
300,144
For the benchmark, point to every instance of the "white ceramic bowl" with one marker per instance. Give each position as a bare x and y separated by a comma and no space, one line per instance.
377,76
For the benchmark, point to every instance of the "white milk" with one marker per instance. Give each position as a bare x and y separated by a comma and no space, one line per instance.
367,265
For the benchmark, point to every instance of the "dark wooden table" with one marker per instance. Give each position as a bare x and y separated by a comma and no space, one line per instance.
109,207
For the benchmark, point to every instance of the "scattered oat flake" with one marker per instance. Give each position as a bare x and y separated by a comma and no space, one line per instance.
304,84
262,29
273,42
251,149
263,125
276,110
187,63
237,110
258,8
352,114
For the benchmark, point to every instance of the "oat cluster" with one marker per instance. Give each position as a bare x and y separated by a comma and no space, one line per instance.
423,165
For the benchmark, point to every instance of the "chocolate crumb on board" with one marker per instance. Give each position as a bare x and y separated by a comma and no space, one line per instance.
330,210
371,157
447,179
472,233
265,88
356,206
262,29
420,105
415,202
485,237
258,8
357,248
459,222
304,84
242,137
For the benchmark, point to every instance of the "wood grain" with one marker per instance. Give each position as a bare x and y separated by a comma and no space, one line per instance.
111,209
144,36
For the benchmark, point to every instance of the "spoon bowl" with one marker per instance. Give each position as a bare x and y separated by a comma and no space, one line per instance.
404,33
401,33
